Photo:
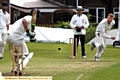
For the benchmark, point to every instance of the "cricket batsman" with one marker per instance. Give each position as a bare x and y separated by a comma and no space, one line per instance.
15,35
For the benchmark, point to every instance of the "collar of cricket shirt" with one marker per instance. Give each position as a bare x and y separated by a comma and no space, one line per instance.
79,15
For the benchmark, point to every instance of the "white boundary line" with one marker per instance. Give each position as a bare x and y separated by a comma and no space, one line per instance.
79,76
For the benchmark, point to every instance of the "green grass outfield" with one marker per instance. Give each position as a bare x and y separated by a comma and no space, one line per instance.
49,61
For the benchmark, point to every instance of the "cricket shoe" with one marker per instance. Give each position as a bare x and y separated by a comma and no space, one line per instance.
73,57
1,58
97,59
84,57
92,46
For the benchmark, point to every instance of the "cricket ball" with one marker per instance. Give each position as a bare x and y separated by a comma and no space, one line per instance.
59,48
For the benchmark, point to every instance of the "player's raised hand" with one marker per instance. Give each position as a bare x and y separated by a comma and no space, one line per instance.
113,38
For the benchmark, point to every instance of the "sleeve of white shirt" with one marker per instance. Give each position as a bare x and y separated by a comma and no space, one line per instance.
103,34
86,22
8,20
72,22
28,18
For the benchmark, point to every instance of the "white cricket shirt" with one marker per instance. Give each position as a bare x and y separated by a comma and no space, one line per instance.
81,20
4,19
103,27
18,28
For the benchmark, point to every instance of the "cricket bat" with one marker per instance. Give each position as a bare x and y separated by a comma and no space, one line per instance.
33,21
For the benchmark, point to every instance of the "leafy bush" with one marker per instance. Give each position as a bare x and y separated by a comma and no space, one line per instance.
90,32
62,24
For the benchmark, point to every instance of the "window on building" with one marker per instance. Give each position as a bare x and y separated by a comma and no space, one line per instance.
116,12
16,15
97,14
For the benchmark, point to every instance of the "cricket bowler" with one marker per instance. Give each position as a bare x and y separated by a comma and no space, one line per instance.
102,33
15,35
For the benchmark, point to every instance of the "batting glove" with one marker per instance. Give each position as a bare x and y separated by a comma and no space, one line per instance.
30,34
32,39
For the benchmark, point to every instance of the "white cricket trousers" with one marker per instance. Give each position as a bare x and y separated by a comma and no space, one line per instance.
100,45
17,39
3,34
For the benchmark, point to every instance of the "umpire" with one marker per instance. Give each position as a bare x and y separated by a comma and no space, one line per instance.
79,23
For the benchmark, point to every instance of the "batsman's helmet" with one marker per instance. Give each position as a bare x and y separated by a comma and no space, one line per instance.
38,12
4,3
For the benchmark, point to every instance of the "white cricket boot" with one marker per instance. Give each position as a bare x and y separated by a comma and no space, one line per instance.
97,59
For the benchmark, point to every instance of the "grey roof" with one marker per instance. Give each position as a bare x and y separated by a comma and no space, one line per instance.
28,10
32,3
43,5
